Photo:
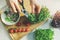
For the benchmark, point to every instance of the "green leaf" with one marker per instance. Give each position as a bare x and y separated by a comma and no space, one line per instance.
44,34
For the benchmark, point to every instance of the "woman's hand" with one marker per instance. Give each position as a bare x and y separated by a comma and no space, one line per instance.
35,6
14,5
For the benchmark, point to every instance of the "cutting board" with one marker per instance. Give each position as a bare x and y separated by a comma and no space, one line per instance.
17,36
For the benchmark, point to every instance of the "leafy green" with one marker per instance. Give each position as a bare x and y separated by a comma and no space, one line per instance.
14,17
11,17
8,19
44,13
32,18
6,12
44,34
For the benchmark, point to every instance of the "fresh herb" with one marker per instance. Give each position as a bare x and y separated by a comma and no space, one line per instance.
14,17
32,18
44,13
8,19
44,34
11,17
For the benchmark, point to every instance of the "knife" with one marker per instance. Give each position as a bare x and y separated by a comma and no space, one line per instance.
23,9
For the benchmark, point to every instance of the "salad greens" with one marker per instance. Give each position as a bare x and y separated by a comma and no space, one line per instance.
32,18
44,34
11,17
44,13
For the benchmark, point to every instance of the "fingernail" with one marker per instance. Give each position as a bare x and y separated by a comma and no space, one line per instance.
15,11
20,1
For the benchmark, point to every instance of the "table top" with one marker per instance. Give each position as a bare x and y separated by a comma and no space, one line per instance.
53,6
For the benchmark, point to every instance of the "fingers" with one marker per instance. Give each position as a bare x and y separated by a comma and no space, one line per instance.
33,8
17,7
13,6
36,6
37,9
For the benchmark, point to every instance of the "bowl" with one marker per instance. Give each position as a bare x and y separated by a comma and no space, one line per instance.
3,16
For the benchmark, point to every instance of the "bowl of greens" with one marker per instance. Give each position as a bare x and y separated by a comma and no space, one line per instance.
10,18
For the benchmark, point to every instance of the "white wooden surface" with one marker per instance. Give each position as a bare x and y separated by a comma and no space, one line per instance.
53,6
